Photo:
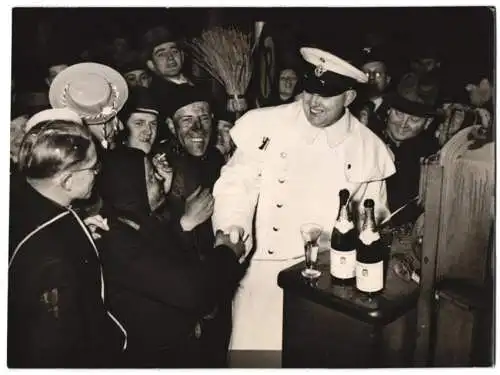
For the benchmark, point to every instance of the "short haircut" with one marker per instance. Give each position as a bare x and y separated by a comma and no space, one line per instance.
51,147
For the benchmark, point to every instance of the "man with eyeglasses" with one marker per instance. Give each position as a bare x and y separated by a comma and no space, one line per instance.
375,65
57,316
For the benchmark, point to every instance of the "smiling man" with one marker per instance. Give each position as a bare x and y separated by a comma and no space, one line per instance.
165,59
293,160
197,163
409,135
140,119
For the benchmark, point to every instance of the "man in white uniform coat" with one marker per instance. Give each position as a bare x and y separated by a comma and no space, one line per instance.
289,165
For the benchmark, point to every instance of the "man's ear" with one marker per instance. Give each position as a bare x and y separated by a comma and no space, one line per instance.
388,79
65,181
47,81
151,66
170,124
350,95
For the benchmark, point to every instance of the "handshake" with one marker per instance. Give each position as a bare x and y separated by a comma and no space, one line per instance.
234,238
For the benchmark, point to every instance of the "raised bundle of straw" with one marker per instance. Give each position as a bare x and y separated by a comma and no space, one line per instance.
225,53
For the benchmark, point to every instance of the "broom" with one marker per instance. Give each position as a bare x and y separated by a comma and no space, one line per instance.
225,53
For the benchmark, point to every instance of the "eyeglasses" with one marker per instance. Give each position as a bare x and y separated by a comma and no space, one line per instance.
95,169
374,75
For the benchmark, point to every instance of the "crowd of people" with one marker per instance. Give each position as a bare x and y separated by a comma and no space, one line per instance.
148,225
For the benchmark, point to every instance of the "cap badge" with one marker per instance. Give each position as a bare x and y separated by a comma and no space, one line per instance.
320,69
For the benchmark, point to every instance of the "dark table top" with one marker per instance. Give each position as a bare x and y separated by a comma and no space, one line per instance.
398,296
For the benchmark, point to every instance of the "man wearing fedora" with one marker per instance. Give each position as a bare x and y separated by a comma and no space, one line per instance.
409,135
134,70
97,93
289,165
166,59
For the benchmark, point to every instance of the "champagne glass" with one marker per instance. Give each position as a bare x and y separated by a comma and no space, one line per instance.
310,234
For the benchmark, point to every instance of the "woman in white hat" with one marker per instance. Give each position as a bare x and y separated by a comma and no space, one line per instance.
97,93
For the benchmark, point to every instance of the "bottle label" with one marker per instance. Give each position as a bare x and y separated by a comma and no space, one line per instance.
343,264
368,237
344,226
370,277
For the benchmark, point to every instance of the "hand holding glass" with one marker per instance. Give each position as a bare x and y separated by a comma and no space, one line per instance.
310,234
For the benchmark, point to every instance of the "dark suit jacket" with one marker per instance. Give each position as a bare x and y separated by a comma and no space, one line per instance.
156,288
404,184
189,173
56,317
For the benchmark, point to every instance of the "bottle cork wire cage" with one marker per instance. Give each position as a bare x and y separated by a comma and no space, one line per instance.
457,191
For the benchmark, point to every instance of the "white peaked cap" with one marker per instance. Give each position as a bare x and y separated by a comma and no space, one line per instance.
64,114
326,62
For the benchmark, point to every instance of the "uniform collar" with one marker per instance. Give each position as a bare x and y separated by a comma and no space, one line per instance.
335,134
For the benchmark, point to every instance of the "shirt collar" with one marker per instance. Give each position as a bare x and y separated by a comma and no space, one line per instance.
335,134
377,101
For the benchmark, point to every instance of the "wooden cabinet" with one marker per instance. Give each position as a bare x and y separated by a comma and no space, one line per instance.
331,326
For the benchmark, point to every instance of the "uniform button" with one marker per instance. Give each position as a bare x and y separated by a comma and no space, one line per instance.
283,155
279,205
348,166
281,180
269,251
276,229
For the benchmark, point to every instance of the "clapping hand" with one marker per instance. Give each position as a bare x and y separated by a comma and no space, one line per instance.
198,208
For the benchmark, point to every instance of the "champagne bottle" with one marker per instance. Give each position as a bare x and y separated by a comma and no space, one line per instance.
343,244
370,254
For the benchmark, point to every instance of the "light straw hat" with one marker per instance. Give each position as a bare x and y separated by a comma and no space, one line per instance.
94,91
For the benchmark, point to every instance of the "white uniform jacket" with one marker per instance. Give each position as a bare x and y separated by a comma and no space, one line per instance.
288,172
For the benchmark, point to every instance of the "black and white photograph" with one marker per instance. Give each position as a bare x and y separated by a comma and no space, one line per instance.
251,187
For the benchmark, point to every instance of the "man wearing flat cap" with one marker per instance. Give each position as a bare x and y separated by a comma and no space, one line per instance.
290,163
196,162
